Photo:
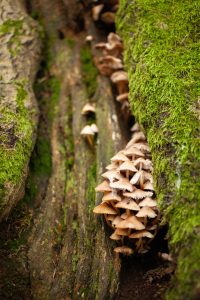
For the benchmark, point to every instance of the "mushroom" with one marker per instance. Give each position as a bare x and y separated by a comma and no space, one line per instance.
94,128
138,194
111,175
112,166
115,237
103,187
131,223
104,208
88,133
148,202
141,234
128,166
122,97
120,78
119,157
122,184
108,17
135,127
89,38
87,109
148,186
96,10
111,197
128,204
112,62
146,211
124,250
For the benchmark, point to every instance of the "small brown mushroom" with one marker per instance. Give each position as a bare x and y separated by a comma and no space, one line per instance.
124,250
131,223
104,208
108,17
112,175
146,211
120,78
138,194
141,234
148,202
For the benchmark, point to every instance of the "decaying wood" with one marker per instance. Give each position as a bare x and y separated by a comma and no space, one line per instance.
19,51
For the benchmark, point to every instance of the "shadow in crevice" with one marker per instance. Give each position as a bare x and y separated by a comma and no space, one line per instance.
146,276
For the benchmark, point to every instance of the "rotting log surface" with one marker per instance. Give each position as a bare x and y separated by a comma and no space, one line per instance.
70,257
161,56
20,52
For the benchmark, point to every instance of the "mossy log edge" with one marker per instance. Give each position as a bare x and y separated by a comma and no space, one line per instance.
161,55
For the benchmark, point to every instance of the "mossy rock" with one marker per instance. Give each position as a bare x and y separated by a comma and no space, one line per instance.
161,57
20,49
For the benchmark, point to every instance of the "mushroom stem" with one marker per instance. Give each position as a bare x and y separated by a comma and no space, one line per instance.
109,224
127,174
142,180
90,140
138,244
128,212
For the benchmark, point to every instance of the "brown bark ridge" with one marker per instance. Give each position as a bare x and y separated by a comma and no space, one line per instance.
19,52
70,256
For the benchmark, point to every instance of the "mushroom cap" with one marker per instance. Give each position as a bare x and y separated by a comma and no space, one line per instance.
119,76
141,234
133,151
146,211
146,163
111,197
128,166
96,11
110,217
122,97
141,146
111,175
88,108
108,17
135,127
113,38
94,128
148,202
116,221
104,208
136,177
103,187
138,194
128,203
120,231
112,62
148,186
112,166
87,131
115,237
124,216
89,38
119,157
122,184
124,250
131,223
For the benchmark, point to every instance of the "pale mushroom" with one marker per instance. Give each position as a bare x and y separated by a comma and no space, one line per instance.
141,234
88,133
146,211
96,10
112,175
103,187
111,197
88,108
138,194
122,97
122,184
148,202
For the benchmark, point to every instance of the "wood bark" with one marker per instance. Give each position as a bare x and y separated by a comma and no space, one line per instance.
20,53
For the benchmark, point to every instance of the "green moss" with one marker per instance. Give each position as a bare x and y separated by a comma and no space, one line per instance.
161,55
14,155
89,71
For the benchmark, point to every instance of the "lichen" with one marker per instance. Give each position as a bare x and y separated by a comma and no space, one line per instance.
161,56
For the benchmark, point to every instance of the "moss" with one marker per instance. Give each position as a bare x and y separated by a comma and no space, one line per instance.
15,154
161,55
89,71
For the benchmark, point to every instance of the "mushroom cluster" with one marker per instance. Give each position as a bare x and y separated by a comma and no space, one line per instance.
128,204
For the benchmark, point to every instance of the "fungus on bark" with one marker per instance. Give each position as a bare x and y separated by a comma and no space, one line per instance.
128,191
